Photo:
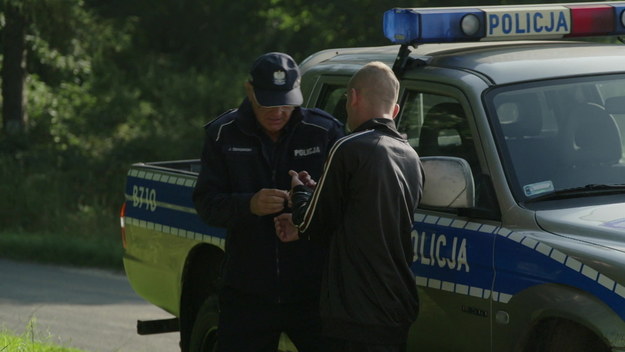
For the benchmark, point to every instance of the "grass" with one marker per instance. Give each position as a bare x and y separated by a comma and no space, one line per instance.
13,343
10,342
103,251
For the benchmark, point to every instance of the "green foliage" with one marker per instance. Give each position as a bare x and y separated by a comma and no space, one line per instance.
41,194
97,250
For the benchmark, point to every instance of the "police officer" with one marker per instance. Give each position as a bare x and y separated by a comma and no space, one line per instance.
269,287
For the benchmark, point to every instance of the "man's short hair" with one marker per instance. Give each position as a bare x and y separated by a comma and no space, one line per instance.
377,82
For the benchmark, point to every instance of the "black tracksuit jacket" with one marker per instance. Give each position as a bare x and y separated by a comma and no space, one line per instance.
238,159
362,208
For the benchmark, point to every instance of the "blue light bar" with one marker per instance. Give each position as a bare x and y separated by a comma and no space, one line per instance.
619,18
405,26
441,25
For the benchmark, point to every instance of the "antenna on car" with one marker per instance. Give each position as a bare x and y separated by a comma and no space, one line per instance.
402,60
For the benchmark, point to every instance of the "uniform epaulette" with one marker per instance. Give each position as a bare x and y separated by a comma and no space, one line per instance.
218,117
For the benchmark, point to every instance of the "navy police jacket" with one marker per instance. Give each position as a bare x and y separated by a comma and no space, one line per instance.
238,160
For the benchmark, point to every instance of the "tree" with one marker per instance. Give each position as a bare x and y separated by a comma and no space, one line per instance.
43,39
13,70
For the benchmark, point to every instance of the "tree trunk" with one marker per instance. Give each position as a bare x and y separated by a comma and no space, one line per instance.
13,72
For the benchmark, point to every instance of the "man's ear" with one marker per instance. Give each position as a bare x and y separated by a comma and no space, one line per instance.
395,110
354,97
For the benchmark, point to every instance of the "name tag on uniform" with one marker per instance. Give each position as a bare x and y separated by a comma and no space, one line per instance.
235,149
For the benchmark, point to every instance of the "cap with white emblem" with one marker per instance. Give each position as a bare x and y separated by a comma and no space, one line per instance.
276,80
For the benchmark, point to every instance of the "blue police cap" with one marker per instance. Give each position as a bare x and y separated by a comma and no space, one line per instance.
276,80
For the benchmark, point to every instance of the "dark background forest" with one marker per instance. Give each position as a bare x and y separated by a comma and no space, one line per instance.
91,86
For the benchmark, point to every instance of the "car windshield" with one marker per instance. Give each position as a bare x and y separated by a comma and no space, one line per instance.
562,137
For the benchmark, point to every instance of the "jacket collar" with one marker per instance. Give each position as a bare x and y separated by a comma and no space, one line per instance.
381,124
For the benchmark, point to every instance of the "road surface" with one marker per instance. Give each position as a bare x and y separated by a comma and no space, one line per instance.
93,310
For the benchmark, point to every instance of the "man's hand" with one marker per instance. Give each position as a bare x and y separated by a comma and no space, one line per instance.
285,229
268,201
301,178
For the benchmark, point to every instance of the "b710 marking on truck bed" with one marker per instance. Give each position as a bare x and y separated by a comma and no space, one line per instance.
144,196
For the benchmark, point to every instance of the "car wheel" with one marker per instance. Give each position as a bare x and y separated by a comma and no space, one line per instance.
564,336
204,332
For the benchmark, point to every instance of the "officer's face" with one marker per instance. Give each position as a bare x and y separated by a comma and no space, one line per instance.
271,118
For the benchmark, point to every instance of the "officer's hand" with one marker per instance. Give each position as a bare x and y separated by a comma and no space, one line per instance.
285,229
301,178
268,201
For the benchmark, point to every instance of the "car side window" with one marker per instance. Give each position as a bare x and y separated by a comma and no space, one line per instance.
437,125
332,99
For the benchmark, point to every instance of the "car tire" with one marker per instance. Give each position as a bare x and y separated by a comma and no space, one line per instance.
564,336
204,332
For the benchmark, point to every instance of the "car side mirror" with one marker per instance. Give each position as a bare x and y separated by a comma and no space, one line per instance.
448,183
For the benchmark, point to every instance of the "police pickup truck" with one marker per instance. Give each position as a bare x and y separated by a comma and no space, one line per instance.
519,242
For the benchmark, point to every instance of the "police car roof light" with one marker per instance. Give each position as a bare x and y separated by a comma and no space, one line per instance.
410,26
592,20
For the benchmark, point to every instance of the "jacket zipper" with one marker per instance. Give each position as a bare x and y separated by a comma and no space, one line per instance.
272,159
275,160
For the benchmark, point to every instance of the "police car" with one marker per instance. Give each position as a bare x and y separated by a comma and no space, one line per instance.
519,242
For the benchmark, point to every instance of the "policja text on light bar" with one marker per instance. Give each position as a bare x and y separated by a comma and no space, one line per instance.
438,25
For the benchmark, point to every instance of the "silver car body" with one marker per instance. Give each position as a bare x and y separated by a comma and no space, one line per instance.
544,240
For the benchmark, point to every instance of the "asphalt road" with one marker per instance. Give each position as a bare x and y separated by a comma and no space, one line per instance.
92,310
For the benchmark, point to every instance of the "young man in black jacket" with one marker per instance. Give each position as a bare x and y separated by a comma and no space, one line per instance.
269,287
362,209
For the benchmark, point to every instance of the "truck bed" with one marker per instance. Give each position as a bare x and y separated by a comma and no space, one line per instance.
161,228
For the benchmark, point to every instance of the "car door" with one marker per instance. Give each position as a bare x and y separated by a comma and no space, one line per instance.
453,250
